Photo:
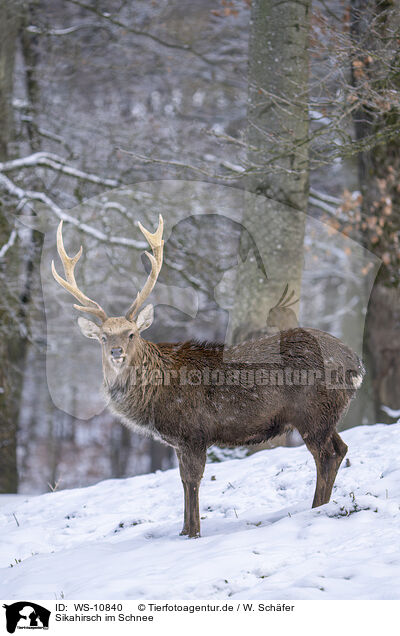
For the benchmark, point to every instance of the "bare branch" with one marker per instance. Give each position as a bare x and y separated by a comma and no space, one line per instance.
322,206
327,198
67,30
26,196
324,201
239,171
231,140
171,45
186,166
48,134
10,243
54,162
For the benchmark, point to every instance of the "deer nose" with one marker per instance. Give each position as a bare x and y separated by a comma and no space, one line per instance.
116,352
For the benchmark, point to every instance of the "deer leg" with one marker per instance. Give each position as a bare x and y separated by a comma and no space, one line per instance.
185,529
335,459
191,467
194,512
181,461
328,458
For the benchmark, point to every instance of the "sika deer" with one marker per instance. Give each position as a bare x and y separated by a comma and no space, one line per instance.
191,395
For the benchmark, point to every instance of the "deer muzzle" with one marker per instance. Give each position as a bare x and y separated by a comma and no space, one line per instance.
117,355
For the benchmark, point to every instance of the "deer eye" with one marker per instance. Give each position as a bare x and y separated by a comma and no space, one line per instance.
131,336
104,338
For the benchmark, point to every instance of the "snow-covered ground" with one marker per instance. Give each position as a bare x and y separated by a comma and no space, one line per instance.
260,537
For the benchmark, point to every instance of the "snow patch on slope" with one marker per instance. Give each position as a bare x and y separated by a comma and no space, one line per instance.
260,538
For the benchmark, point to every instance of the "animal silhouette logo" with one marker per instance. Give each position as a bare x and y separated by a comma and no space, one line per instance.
26,615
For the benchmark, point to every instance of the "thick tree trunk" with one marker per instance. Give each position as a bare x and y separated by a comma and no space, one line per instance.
278,159
383,342
379,176
29,46
8,36
10,314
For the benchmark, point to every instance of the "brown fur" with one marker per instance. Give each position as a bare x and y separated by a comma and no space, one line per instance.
153,388
148,394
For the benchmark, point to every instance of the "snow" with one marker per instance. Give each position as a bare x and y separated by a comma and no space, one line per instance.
260,538
50,160
391,412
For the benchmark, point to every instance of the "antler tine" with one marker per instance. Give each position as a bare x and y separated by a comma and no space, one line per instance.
285,302
88,305
290,304
283,296
156,243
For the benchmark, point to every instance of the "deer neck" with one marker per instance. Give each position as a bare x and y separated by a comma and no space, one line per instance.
136,379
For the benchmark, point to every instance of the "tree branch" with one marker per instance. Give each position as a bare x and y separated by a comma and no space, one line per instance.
25,196
177,164
54,162
65,31
10,243
171,45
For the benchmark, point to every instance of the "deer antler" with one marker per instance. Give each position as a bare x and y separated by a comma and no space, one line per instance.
284,302
88,305
157,245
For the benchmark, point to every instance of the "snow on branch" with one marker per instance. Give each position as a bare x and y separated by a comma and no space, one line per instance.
324,202
25,196
67,30
10,243
327,198
237,170
54,162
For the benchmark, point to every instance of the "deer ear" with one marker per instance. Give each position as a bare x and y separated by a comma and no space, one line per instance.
145,318
89,328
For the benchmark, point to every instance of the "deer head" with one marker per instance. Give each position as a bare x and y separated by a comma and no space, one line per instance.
119,336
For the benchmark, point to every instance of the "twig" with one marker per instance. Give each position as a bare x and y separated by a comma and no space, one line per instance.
56,485
25,196
54,162
66,30
171,45
10,243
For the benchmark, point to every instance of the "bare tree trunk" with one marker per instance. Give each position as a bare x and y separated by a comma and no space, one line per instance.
8,37
278,155
57,422
379,175
11,320
29,47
